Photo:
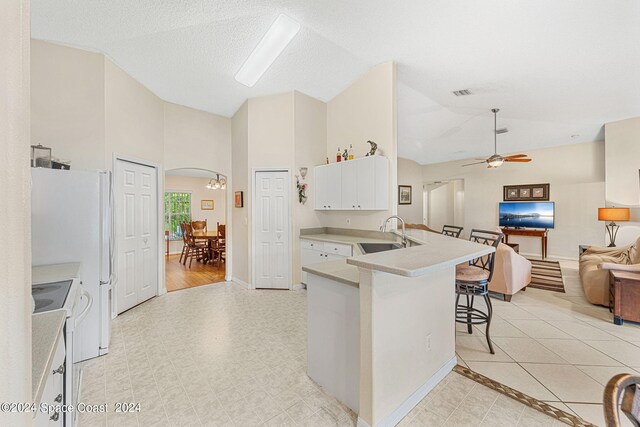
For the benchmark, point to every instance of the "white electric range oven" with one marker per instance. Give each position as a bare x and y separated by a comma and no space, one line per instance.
58,287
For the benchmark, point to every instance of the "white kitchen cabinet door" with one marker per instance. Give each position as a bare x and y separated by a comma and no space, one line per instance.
320,180
365,183
333,257
350,184
333,189
308,257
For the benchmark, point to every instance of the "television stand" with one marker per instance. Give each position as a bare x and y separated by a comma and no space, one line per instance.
528,232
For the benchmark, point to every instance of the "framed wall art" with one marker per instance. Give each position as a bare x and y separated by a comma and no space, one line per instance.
206,205
529,192
404,194
239,200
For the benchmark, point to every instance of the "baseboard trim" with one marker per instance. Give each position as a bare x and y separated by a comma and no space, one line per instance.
299,286
396,416
241,282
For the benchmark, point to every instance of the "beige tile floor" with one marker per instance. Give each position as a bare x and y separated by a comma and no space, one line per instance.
555,347
222,355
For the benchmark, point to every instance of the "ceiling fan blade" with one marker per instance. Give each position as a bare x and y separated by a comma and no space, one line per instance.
516,160
476,163
515,156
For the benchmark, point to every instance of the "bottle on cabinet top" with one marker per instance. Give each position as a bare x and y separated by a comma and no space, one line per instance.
339,156
350,152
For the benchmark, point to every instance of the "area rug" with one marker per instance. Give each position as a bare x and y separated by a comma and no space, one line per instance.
546,275
536,404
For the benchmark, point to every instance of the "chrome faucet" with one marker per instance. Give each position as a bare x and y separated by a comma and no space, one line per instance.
404,235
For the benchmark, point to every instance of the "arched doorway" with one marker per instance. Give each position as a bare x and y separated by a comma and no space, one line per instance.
198,197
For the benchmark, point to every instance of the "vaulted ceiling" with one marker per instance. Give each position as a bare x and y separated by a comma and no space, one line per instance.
557,69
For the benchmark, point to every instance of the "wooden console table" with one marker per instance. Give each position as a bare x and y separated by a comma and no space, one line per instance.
624,296
542,234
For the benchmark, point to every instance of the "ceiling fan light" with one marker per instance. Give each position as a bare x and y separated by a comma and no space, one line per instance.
496,163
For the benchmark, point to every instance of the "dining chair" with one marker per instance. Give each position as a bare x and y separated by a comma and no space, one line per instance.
194,249
185,241
622,392
472,280
219,249
199,225
452,230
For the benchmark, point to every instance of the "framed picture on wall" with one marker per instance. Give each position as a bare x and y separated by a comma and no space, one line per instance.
239,201
404,194
206,205
529,192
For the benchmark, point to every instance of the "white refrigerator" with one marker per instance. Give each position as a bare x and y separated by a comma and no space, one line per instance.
71,222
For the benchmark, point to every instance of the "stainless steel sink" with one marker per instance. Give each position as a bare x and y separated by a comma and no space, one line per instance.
370,248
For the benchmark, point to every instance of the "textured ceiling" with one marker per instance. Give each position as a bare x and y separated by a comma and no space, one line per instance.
555,68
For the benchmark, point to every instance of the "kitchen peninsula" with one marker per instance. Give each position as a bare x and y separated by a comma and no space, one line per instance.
381,326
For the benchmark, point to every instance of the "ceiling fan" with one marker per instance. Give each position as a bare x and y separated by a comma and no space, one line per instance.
496,160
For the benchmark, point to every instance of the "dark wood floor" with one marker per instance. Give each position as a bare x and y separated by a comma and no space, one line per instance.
178,276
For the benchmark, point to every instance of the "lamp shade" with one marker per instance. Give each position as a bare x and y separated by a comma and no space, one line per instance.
613,214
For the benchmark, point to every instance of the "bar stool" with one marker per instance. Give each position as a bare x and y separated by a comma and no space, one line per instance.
472,280
452,230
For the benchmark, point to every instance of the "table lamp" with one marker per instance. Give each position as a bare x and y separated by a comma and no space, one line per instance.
613,215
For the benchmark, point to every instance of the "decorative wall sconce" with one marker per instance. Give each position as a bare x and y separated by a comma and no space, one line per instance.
303,172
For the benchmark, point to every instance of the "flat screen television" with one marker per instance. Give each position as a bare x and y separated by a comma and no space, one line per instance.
527,214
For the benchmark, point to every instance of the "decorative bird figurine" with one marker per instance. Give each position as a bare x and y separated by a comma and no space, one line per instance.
374,148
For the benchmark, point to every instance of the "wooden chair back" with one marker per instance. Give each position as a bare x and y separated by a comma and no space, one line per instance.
188,232
199,225
452,230
489,238
622,390
183,230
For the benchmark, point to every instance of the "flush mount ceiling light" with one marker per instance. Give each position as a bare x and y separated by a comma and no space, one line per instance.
281,32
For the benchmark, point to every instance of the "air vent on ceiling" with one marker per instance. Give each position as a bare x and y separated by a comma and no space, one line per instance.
462,92
501,130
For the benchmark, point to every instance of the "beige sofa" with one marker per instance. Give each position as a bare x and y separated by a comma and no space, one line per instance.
595,263
511,272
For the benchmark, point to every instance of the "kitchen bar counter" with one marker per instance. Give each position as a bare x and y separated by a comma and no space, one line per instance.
404,300
45,334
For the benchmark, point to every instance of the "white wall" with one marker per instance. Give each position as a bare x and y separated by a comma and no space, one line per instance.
410,173
134,117
441,206
199,192
240,182
196,139
622,151
576,175
68,103
310,136
366,110
15,211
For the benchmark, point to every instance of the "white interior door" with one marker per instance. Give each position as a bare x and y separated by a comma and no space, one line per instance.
136,234
272,230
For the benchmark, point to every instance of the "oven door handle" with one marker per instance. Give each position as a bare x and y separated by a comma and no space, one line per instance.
84,312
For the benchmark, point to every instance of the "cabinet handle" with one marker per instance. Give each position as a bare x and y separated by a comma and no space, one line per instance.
55,416
58,398
358,206
60,370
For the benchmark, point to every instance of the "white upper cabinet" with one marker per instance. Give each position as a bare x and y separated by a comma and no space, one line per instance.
328,182
361,184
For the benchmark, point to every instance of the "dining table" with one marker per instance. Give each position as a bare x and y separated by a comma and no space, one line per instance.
210,236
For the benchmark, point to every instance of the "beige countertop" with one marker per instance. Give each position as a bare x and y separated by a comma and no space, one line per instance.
337,270
350,240
54,272
45,334
433,252
430,252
